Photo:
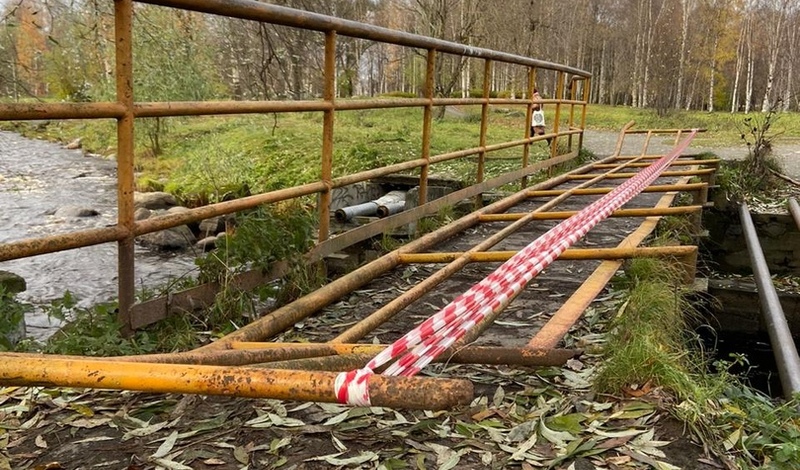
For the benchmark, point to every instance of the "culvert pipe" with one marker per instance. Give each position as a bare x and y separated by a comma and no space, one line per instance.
391,203
386,205
780,336
359,210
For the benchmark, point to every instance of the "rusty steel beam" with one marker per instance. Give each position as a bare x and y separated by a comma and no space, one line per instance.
195,298
557,118
682,158
210,108
713,161
621,142
658,188
250,382
556,215
523,356
705,171
569,254
587,82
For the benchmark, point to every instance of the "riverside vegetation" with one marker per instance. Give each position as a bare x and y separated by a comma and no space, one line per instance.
643,361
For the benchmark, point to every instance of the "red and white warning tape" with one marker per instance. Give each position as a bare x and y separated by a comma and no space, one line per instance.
421,345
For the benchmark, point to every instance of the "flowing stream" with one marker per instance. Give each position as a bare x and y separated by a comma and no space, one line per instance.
40,182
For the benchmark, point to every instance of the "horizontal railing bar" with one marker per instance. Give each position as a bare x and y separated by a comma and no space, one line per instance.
284,16
110,110
201,108
61,242
37,111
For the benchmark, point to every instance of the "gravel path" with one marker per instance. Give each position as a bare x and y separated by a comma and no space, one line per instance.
603,143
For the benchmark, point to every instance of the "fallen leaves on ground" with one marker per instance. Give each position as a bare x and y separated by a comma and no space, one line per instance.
521,418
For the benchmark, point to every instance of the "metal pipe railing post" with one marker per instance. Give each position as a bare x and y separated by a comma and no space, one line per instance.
526,149
329,95
557,118
487,82
586,88
427,119
780,336
123,32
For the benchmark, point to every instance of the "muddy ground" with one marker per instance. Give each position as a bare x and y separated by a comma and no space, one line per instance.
520,418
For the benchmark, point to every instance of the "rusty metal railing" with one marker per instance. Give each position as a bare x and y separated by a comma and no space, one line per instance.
570,82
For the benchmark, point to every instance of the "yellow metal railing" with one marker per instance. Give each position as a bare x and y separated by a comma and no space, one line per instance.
572,90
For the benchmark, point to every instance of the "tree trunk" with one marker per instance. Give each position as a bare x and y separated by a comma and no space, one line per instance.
685,7
748,94
775,39
738,68
713,74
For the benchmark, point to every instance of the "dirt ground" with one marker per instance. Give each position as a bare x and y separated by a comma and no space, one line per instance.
520,417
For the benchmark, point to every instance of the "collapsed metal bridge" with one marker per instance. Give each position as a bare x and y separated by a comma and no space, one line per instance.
247,363
382,300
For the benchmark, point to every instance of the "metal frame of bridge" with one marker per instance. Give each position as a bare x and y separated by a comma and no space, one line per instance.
246,362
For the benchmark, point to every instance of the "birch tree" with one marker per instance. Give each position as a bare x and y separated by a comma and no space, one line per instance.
686,8
777,19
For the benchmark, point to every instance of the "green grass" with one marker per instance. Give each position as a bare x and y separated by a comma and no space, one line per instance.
213,158
650,345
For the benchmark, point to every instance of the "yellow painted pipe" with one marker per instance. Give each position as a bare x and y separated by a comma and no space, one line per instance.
557,215
569,254
704,171
658,188
711,161
251,382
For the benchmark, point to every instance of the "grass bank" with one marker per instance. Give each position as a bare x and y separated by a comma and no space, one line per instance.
207,159
651,348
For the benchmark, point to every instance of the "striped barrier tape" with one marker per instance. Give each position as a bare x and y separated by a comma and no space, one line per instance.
436,334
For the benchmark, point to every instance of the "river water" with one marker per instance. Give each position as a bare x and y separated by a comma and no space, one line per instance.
36,179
